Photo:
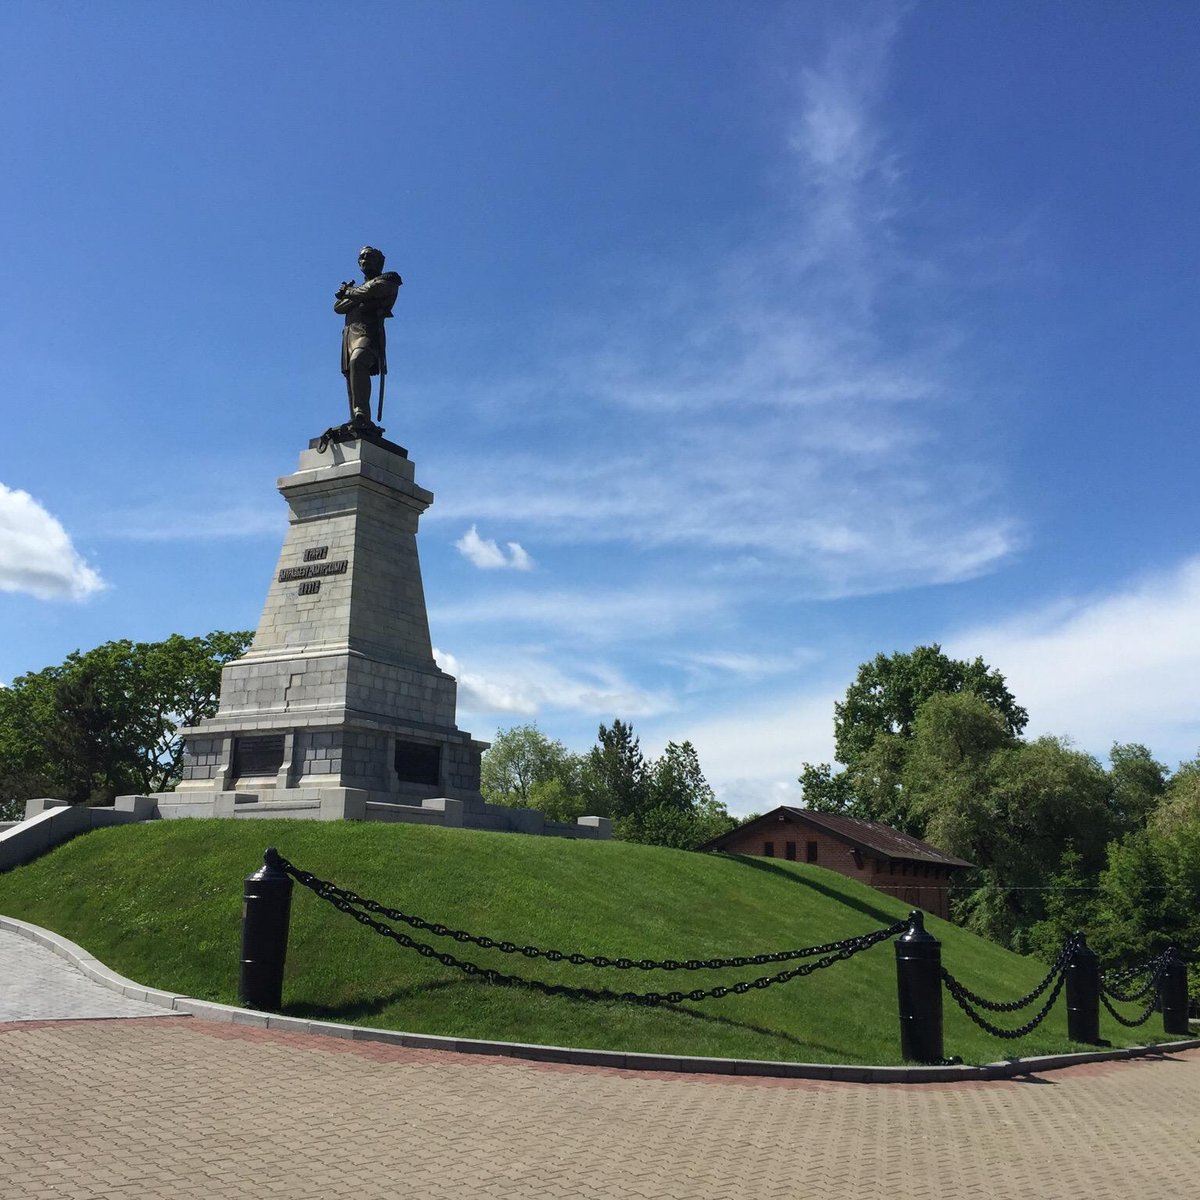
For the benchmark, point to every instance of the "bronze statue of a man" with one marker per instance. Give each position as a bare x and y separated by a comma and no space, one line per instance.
364,343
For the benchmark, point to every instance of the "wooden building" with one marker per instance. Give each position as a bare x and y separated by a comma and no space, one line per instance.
886,859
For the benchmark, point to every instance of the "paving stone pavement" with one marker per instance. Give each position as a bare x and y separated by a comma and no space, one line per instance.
179,1107
36,983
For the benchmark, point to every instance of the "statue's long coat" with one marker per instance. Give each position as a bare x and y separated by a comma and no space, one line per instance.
367,307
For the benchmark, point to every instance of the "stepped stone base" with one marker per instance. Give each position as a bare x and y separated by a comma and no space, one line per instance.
48,823
338,710
356,804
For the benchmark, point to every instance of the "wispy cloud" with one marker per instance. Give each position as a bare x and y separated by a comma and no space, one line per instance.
596,614
797,399
847,172
487,555
708,666
1119,666
526,686
36,554
769,422
752,754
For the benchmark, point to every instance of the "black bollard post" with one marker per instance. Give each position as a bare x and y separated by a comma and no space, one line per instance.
919,988
1083,994
1174,993
266,907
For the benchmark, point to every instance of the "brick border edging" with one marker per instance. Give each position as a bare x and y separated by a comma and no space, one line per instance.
208,1010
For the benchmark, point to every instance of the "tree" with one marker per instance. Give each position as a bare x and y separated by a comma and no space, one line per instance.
1181,802
678,807
662,802
614,773
676,782
26,770
1071,904
947,775
1149,897
91,739
824,790
1139,784
523,768
1022,812
888,692
682,830
107,721
558,800
874,726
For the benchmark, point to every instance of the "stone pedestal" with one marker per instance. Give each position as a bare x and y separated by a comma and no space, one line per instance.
339,690
338,709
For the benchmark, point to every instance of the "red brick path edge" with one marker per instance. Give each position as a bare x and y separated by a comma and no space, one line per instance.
95,970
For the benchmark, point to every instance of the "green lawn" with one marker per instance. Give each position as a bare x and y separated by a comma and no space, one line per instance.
161,903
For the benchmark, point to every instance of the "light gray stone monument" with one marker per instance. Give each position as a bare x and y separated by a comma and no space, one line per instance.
338,709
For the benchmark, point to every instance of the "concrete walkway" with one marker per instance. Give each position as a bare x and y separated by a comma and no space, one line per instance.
170,1106
37,984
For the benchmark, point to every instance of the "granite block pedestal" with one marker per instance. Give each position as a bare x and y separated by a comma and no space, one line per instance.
339,709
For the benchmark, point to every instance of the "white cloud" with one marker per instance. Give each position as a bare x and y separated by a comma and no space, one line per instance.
518,559
487,555
1123,666
36,555
1116,667
708,665
795,398
526,686
752,754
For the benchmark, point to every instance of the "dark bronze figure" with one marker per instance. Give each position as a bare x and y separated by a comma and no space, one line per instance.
364,342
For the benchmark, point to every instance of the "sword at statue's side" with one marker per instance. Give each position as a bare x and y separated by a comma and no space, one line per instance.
382,369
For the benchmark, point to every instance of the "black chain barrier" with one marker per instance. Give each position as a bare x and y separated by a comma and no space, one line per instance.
349,902
1130,1023
1129,972
1153,984
330,891
1151,969
961,995
1060,964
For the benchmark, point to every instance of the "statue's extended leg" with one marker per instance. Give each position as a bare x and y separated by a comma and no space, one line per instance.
359,383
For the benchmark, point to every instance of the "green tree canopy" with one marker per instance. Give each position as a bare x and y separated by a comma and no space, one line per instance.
1180,804
675,781
664,801
1139,784
106,721
1149,897
889,690
1022,812
874,726
522,764
615,779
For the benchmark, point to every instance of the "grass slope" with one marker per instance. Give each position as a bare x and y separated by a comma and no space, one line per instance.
161,903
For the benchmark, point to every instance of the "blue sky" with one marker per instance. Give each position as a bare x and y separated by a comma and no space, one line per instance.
737,343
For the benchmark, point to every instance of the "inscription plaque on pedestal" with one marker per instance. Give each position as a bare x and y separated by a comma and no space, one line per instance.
260,755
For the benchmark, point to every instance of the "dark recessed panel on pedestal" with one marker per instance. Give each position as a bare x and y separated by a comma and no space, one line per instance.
257,756
418,762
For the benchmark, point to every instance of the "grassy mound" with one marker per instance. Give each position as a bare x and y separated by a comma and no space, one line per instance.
161,903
